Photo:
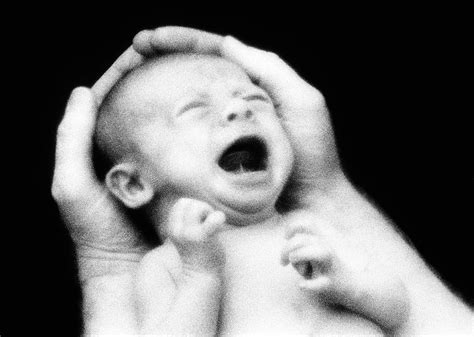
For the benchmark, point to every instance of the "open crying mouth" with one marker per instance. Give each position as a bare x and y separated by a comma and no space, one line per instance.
247,154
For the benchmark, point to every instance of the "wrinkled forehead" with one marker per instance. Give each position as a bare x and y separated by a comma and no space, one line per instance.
170,78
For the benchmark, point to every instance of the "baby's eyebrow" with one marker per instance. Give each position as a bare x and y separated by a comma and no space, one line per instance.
246,91
237,93
190,100
193,96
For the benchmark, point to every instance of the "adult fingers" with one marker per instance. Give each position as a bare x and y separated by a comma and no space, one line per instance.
177,39
73,167
128,60
265,68
269,71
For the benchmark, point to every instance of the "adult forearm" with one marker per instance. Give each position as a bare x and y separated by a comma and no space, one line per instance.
108,305
196,307
382,298
434,308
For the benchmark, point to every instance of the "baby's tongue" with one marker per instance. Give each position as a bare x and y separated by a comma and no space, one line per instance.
237,161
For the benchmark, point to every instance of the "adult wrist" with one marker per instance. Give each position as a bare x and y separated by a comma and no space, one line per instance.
94,262
109,304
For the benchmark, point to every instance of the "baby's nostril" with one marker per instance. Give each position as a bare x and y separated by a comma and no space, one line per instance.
248,114
231,116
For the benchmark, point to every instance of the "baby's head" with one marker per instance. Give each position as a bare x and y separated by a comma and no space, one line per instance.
194,126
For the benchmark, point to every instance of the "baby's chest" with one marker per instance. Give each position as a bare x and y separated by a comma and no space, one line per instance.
261,295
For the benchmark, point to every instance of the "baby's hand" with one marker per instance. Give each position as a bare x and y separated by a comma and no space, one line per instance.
323,271
192,227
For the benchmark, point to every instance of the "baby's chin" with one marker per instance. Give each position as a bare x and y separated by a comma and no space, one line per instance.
245,212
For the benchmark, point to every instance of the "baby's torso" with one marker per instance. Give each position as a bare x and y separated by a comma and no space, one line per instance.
262,296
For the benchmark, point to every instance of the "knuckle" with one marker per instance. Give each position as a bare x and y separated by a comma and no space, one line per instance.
316,98
229,37
57,192
273,56
294,227
201,204
62,130
177,237
181,203
203,209
175,232
196,205
63,193
296,239
220,216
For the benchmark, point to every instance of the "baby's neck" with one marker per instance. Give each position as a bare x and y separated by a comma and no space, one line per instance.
242,219
160,210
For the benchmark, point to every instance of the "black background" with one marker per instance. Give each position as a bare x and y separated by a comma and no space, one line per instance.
395,85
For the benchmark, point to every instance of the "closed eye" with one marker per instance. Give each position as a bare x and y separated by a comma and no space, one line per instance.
257,97
191,106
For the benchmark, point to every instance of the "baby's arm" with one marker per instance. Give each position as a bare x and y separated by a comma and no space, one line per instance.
183,288
373,294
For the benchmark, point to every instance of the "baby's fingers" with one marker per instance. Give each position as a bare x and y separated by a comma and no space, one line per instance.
320,284
195,220
214,223
208,225
176,219
310,261
196,213
310,253
297,241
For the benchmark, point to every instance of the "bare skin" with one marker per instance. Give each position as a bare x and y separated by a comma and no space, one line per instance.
189,111
103,234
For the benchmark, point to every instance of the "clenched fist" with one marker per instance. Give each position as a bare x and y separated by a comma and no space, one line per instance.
192,227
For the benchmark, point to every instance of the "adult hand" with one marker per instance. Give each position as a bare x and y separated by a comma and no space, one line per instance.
306,118
301,107
108,249
110,252
105,240
97,223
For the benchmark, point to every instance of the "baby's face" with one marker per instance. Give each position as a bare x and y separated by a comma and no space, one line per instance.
211,134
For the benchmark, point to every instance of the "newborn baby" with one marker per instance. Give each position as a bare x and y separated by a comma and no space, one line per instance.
201,149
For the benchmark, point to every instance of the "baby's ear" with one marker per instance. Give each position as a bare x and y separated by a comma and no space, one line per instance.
126,183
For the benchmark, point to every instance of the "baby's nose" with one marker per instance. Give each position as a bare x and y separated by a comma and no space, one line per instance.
247,114
238,111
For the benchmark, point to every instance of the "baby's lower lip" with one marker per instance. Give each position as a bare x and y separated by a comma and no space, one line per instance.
249,178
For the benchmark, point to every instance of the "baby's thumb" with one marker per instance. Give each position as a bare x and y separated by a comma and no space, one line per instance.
215,223
319,284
